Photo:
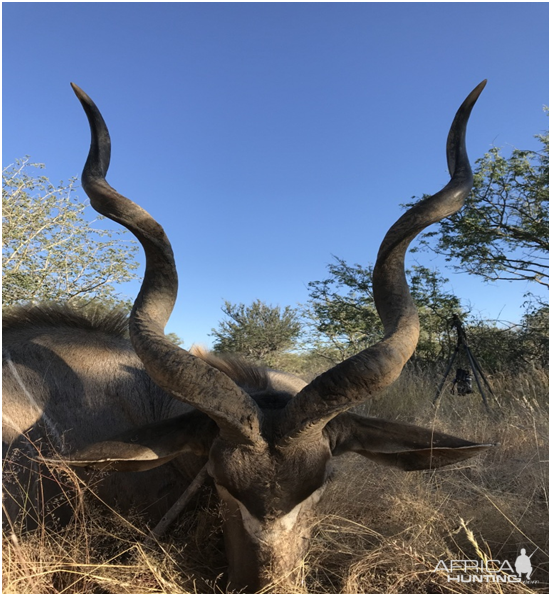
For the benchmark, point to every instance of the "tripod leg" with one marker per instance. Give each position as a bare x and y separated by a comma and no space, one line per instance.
475,373
485,380
479,368
439,391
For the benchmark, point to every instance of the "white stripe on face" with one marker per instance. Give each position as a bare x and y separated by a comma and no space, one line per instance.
270,531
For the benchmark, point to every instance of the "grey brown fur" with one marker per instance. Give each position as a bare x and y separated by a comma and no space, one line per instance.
17,319
80,389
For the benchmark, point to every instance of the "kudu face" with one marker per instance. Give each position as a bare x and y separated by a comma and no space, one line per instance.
269,452
268,496
268,491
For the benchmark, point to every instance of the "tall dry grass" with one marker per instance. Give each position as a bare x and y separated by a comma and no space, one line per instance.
378,530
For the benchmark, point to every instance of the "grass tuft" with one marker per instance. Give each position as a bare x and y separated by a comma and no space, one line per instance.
378,530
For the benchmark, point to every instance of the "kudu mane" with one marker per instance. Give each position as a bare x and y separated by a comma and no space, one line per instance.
17,319
252,378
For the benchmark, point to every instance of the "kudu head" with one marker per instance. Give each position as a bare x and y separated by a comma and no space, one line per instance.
269,451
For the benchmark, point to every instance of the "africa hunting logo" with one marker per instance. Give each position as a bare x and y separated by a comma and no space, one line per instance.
489,570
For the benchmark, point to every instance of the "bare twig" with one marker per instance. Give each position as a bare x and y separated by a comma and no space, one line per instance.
168,518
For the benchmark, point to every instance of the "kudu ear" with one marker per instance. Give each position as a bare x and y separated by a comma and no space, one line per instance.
150,446
404,446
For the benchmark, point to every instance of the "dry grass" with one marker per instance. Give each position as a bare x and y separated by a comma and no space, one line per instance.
379,530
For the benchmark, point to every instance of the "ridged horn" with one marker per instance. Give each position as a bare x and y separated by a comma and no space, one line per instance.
358,378
175,370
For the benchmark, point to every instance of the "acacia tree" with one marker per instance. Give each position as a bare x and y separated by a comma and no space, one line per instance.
340,317
502,232
258,331
50,252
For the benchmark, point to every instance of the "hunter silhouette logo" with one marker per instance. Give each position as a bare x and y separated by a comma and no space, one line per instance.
489,570
523,563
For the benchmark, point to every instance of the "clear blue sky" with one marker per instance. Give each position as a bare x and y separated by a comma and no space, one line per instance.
267,137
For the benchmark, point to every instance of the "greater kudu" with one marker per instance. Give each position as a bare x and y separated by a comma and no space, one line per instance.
269,439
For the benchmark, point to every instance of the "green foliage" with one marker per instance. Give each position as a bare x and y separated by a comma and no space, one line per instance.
502,233
175,338
534,336
341,318
50,251
435,307
515,348
258,331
